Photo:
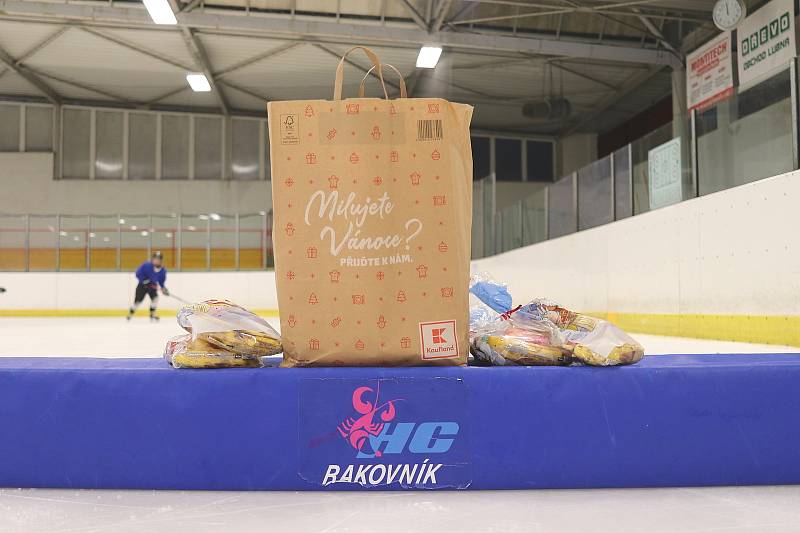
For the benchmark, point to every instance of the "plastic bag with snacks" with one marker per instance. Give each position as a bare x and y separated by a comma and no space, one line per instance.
508,341
591,340
221,334
183,352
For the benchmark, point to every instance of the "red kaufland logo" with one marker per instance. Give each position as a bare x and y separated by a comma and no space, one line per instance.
438,339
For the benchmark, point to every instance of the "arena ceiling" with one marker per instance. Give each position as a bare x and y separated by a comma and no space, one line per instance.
609,58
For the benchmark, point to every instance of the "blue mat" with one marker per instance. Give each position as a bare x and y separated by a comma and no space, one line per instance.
137,423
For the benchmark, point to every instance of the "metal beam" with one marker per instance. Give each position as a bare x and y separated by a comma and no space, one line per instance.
30,76
37,47
444,9
136,47
79,85
258,57
201,59
365,32
655,31
415,15
636,81
190,6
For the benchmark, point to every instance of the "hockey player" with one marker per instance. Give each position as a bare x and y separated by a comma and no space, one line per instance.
151,275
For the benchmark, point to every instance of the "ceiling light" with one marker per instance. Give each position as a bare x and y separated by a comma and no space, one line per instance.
106,239
92,235
122,221
134,228
160,11
428,56
215,216
198,82
191,228
144,234
202,217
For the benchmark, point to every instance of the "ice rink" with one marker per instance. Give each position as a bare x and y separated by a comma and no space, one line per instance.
740,509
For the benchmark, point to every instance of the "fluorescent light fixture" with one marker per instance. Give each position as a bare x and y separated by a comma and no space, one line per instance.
62,233
262,213
134,228
215,216
168,235
198,82
144,234
202,217
76,238
191,228
428,56
122,221
92,235
106,239
160,11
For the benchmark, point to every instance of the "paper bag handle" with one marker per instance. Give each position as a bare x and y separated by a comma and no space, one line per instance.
376,62
403,92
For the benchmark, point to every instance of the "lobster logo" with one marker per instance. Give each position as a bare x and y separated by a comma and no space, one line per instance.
373,416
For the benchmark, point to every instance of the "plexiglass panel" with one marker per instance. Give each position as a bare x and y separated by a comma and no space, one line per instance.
12,242
194,242
623,202
43,240
73,243
103,241
534,217
252,242
747,137
223,242
561,216
595,204
134,240
164,238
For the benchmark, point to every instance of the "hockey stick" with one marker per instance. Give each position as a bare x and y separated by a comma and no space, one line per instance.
181,300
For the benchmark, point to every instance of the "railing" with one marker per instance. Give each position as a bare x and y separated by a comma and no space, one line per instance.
121,242
750,136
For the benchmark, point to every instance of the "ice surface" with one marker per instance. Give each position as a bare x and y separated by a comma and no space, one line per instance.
115,337
688,510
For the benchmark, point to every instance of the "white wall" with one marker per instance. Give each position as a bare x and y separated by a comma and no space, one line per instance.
28,187
114,290
732,252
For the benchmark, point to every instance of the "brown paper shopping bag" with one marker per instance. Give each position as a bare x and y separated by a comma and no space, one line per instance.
372,202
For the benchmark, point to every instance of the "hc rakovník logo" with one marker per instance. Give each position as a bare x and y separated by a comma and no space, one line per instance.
373,433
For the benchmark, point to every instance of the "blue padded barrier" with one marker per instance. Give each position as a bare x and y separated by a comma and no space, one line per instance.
137,423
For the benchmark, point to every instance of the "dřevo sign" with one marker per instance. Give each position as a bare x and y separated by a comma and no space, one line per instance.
766,40
709,72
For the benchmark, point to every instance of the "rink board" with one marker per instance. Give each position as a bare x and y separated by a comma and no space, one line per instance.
137,423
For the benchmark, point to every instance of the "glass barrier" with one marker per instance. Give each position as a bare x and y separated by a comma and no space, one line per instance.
104,234
561,206
753,129
164,238
595,200
534,217
623,191
13,242
73,242
195,245
223,242
43,243
134,240
252,242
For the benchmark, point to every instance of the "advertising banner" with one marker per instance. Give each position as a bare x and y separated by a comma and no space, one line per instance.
709,73
766,40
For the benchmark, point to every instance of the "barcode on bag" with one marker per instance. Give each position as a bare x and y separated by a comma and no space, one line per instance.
429,130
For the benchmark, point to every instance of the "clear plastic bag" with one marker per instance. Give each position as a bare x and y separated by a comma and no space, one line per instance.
492,293
183,352
231,327
591,340
221,334
519,342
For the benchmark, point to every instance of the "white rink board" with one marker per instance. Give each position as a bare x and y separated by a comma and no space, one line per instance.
732,252
114,290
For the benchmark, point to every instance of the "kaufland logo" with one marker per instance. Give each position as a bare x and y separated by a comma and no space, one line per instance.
438,339
375,436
